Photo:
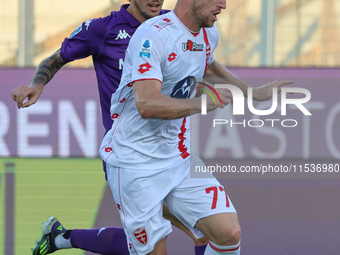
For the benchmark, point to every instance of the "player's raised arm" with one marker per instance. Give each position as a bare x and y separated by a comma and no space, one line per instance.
43,74
216,71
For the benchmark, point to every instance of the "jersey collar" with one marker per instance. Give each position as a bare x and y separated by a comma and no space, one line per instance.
180,22
132,20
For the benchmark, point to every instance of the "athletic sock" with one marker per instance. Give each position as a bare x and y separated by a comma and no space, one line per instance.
199,250
62,241
214,249
108,241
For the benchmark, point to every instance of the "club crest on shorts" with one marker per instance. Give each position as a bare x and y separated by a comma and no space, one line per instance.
141,236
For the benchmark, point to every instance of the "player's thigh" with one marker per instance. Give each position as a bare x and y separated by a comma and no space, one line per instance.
137,189
160,248
139,198
197,198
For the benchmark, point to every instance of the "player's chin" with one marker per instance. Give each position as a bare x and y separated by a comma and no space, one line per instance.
209,23
153,14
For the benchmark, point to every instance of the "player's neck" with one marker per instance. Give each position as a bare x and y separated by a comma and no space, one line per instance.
185,16
136,14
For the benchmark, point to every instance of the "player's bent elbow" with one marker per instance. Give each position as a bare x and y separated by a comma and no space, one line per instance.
143,111
144,114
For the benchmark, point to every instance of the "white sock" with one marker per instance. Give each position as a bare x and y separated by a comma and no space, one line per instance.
214,249
62,243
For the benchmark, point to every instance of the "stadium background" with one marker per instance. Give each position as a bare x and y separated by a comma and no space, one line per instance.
48,169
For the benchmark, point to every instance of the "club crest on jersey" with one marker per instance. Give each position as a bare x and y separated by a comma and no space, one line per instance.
145,49
141,235
192,46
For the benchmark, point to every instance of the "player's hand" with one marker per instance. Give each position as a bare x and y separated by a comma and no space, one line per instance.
265,92
225,96
32,93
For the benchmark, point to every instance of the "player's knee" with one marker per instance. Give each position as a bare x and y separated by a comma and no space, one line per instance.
229,235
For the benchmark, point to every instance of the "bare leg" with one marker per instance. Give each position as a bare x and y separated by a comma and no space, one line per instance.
160,248
175,222
222,229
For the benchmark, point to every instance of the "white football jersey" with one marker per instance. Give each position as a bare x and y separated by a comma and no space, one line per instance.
162,48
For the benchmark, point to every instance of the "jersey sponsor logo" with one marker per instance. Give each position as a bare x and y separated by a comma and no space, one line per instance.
87,24
122,35
144,68
145,49
141,235
192,46
77,30
184,88
172,57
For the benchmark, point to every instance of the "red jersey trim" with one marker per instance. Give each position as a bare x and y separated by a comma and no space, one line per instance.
181,147
194,33
207,49
146,80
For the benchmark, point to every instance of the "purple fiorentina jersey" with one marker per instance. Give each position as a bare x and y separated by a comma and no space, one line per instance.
106,39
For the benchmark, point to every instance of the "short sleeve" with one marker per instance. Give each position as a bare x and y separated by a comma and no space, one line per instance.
147,51
85,41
